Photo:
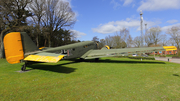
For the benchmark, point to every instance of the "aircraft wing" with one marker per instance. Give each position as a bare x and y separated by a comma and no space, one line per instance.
44,57
119,52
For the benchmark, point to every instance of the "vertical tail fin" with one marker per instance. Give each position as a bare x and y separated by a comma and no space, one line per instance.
28,44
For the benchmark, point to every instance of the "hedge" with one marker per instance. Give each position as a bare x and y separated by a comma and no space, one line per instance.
143,58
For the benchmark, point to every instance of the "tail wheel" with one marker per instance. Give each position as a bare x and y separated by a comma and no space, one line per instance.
23,68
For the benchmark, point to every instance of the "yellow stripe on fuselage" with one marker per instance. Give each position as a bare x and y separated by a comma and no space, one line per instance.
39,58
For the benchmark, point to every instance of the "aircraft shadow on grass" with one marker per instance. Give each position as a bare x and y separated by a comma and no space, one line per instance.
123,61
60,68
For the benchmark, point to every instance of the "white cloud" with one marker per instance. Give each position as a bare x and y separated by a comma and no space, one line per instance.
112,27
165,28
116,4
127,2
172,21
154,5
133,5
77,33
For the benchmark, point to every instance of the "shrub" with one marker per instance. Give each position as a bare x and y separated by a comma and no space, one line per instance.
175,57
144,58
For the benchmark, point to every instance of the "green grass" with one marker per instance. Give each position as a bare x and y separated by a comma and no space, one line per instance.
108,79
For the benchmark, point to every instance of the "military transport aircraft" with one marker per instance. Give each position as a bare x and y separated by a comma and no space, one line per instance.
20,48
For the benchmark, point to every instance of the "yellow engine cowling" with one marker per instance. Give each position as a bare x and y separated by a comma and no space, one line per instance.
105,47
13,47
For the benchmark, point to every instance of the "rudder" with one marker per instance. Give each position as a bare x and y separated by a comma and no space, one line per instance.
13,47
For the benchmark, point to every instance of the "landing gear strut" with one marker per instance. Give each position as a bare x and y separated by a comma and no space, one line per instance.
23,68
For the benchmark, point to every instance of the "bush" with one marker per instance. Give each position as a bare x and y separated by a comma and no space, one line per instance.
122,56
144,58
175,57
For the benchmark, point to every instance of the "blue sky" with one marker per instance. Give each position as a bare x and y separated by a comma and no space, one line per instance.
104,17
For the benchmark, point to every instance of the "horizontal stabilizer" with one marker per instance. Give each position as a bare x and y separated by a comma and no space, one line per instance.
39,58
169,48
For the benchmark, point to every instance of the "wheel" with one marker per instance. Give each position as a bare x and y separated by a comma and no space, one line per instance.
23,68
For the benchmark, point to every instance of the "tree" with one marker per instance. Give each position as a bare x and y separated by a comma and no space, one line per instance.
163,41
153,36
174,32
129,41
37,7
109,41
102,43
13,13
95,39
137,41
122,39
58,14
117,41
1,29
125,37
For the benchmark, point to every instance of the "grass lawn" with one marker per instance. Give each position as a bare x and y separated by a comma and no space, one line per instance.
108,79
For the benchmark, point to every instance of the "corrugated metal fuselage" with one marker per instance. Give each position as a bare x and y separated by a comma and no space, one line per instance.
75,50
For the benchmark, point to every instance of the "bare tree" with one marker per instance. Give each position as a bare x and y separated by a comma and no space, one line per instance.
171,42
125,37
129,41
58,14
153,35
117,41
102,43
148,39
37,7
95,39
174,32
121,39
109,40
137,41
164,40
